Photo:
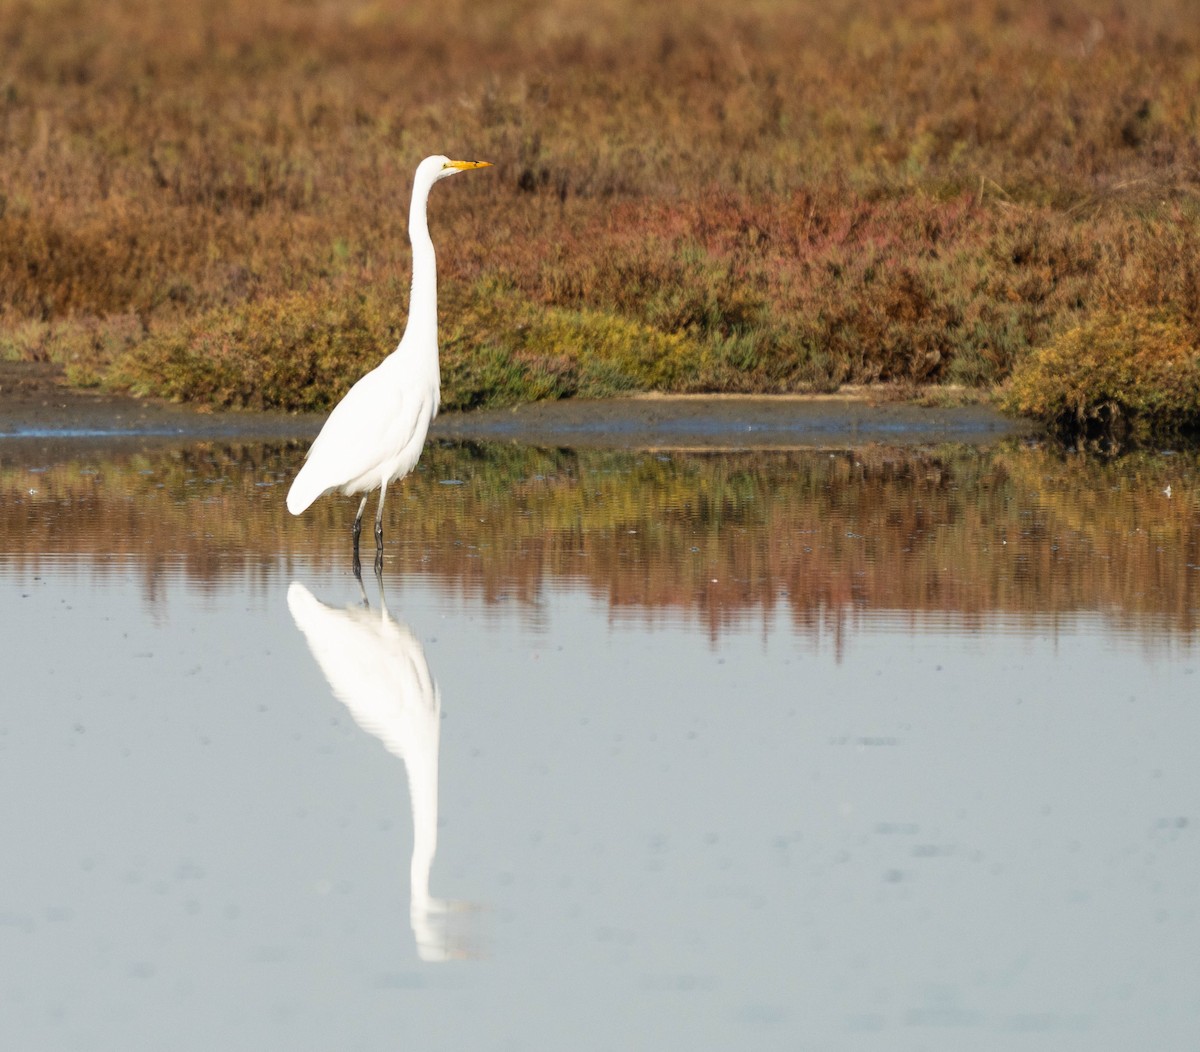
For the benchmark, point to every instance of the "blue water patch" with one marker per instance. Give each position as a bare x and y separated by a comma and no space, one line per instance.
90,432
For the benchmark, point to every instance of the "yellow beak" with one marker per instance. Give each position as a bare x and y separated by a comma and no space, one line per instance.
467,164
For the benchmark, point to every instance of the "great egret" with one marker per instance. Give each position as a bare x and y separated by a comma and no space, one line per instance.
376,432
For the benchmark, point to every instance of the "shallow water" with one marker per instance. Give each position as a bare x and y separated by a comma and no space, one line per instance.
892,748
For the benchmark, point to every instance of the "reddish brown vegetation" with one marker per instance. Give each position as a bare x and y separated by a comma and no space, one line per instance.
750,195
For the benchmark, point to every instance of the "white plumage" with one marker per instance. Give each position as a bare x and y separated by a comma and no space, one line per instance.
375,434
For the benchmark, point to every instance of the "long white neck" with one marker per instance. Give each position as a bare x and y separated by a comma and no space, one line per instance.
422,304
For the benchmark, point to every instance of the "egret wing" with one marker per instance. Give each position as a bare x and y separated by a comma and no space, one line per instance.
367,428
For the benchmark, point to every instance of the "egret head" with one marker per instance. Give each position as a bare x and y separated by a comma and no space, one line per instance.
440,167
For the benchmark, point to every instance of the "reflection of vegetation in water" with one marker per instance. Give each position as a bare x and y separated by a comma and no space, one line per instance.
954,531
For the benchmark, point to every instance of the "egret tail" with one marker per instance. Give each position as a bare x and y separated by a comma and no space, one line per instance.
305,489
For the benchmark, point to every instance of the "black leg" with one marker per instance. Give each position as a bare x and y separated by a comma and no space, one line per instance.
379,521
362,506
357,532
358,577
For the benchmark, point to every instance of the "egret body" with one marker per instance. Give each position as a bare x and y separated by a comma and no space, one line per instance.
376,432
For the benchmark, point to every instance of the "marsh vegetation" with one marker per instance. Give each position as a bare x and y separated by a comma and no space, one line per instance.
207,201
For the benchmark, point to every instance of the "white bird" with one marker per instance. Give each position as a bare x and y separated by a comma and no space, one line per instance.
376,432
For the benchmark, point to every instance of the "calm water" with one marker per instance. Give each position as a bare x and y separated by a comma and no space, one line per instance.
819,750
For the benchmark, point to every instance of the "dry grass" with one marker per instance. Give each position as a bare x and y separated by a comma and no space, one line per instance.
761,195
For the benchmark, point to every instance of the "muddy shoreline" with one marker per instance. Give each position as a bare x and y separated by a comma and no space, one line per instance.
35,405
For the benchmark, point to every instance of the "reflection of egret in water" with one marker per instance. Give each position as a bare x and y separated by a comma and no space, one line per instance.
377,669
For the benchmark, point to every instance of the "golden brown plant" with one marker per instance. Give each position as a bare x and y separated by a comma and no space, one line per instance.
768,194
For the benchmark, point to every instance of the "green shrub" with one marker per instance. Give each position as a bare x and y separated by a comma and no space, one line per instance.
83,346
303,351
1133,371
504,348
296,351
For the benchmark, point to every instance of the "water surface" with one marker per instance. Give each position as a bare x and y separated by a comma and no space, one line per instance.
888,748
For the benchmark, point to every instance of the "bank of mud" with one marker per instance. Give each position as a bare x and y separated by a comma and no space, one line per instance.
34,404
